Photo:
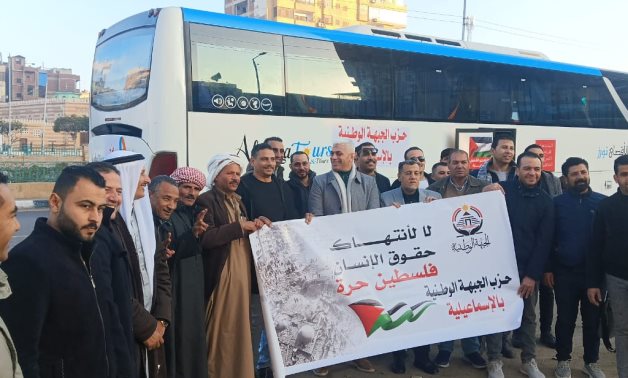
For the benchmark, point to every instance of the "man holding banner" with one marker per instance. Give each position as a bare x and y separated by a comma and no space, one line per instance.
531,214
343,190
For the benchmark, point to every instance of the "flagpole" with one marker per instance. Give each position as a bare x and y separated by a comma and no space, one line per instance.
10,95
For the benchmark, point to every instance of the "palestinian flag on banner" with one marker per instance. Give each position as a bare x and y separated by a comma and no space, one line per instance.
374,317
480,147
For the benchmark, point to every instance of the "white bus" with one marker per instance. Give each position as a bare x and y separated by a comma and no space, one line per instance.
180,85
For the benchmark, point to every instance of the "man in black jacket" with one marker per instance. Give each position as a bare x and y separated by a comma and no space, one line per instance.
265,196
366,162
608,259
53,314
111,270
531,213
301,178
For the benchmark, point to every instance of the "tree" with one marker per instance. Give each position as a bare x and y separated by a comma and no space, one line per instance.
72,124
15,126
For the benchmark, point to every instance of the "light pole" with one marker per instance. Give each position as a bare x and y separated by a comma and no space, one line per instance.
257,73
464,18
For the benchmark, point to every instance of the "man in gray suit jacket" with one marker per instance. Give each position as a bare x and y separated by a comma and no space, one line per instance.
408,192
343,190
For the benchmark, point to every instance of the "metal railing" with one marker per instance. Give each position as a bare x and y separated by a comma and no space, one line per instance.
35,172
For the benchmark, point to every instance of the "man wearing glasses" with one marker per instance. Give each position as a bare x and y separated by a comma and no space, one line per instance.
415,153
366,162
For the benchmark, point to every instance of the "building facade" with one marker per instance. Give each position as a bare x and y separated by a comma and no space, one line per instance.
330,14
22,81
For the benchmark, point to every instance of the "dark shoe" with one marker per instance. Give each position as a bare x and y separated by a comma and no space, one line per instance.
364,365
548,340
399,364
426,365
476,360
266,372
507,352
442,358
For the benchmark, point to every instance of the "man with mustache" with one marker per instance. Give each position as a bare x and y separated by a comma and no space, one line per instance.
301,177
366,162
228,264
187,354
53,313
150,277
574,219
265,197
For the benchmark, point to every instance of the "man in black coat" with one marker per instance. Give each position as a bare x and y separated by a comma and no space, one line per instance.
531,213
53,314
301,178
111,270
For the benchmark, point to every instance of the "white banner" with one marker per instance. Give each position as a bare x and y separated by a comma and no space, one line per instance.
361,284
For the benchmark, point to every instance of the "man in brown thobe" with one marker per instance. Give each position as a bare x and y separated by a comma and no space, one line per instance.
228,261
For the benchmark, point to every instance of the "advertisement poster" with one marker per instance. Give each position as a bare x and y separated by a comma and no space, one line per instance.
346,286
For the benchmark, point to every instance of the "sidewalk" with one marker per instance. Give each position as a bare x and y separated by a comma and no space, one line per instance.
31,204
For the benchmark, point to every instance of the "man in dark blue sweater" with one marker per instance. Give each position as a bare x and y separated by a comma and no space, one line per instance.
574,211
608,260
531,214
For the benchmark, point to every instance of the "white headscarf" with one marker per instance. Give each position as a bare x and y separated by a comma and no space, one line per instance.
217,163
130,172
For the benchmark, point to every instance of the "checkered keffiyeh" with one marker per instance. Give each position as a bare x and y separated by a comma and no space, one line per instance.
189,175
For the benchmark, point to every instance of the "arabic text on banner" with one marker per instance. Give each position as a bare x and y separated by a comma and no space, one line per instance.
365,283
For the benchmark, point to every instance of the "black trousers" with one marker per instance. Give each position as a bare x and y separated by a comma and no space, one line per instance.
571,293
546,308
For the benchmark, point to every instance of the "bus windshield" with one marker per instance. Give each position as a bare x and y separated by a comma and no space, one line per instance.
121,69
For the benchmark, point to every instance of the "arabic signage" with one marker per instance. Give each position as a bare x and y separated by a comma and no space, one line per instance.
355,285
391,142
549,152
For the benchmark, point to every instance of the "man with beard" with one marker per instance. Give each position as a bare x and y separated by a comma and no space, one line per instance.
366,162
574,219
111,270
150,278
187,354
300,182
9,225
53,313
415,153
228,263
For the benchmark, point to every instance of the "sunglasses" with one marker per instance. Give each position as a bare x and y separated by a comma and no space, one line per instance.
369,152
419,158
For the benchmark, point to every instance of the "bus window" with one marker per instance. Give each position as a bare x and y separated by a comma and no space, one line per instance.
236,71
121,69
435,88
334,79
620,83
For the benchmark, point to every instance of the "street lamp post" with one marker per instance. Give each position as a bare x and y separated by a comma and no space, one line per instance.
257,73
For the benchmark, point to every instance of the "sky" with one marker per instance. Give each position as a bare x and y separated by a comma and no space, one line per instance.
62,33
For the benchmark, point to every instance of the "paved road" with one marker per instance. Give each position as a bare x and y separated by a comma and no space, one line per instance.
27,221
457,369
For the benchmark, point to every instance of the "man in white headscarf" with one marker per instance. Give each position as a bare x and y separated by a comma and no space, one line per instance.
151,302
228,263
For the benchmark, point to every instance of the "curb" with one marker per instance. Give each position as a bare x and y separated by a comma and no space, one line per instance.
31,204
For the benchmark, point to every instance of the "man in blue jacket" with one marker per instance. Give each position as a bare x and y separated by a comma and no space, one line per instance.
574,211
531,213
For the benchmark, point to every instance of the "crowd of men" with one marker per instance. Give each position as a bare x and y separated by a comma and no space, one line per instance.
140,278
